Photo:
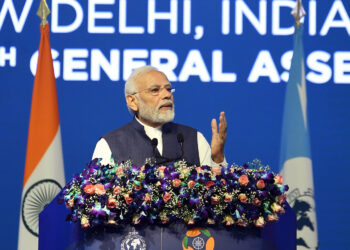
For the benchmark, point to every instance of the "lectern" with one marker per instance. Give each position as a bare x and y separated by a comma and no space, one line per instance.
56,233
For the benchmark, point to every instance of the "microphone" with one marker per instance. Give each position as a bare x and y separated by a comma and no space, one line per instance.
180,140
154,142
161,159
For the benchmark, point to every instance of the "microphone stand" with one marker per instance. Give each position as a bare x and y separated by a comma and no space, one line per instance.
154,141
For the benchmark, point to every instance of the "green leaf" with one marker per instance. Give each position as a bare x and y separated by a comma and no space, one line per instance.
185,241
205,232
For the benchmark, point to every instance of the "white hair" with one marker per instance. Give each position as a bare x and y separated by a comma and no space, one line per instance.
130,85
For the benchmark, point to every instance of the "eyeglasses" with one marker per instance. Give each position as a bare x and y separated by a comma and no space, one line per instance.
156,90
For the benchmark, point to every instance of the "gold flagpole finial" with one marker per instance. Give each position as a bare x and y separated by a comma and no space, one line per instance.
298,12
43,12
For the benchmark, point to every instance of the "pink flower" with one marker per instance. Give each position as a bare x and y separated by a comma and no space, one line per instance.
228,197
85,222
89,189
161,168
147,198
138,187
278,179
164,219
191,184
260,184
112,203
166,197
136,220
272,217
256,202
70,203
223,181
214,200
85,225
176,182
243,180
128,199
119,171
100,189
229,221
243,198
277,208
111,222
190,222
117,190
211,221
242,223
161,171
281,199
260,222
198,169
216,170
209,184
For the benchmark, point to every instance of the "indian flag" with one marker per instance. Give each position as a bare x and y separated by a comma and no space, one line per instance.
44,170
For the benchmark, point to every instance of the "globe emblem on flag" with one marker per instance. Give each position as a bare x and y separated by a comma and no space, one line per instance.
133,241
36,198
303,205
198,239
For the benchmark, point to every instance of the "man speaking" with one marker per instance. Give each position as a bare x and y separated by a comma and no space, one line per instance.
152,134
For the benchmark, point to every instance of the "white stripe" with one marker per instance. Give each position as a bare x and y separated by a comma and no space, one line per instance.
50,167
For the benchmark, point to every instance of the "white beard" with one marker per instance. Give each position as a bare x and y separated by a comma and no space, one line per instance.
153,115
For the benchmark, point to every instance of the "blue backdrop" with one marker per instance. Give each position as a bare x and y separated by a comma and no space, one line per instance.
230,55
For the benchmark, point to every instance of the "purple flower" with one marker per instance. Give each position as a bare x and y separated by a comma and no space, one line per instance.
204,214
97,210
108,185
194,201
262,193
269,177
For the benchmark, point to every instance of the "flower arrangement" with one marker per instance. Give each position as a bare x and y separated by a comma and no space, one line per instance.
119,194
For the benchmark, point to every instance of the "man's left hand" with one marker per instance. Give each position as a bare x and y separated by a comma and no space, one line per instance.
218,138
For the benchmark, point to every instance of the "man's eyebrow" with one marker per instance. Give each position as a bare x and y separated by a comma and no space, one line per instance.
158,85
154,85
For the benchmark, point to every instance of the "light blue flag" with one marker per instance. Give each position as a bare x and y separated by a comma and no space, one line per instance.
296,164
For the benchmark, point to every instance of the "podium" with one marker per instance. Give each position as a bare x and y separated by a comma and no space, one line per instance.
56,233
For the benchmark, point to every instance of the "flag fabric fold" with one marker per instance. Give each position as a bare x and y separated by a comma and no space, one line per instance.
296,164
44,170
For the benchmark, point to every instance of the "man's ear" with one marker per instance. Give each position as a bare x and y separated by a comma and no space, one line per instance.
132,102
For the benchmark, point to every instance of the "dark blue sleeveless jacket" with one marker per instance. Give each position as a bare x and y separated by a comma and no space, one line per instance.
131,142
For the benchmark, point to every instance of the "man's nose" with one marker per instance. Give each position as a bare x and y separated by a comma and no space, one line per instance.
165,93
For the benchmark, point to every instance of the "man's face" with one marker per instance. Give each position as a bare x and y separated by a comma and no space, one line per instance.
155,101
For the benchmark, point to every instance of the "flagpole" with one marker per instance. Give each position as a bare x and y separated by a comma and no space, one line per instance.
43,12
298,12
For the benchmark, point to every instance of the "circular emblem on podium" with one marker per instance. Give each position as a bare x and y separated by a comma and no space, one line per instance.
197,239
36,198
133,241
198,243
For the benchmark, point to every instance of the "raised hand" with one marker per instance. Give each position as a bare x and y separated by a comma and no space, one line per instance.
218,138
